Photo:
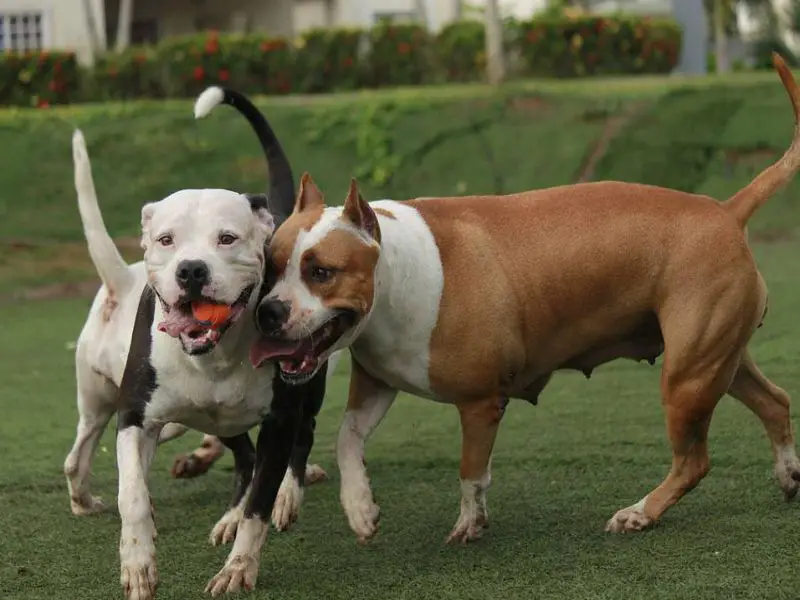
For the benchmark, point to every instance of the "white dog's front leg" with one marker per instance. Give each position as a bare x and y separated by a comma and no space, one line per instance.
368,403
241,568
137,550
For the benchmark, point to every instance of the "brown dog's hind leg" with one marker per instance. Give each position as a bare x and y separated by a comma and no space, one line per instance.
772,405
704,339
479,424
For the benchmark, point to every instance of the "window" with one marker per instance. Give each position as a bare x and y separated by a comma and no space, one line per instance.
22,31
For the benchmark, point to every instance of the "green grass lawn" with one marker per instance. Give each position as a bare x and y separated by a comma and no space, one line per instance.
561,469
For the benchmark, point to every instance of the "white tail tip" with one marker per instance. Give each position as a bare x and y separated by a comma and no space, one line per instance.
206,101
79,153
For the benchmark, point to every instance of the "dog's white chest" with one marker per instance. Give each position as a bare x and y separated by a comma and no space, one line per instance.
218,405
410,284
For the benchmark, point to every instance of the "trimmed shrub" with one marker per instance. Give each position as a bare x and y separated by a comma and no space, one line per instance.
398,55
460,51
252,63
134,73
599,45
329,60
38,78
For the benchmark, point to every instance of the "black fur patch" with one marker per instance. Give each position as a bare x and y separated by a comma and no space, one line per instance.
139,378
276,440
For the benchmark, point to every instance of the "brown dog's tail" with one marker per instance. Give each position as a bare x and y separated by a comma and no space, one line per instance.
747,200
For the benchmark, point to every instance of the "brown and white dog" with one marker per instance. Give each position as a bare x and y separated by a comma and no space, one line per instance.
563,278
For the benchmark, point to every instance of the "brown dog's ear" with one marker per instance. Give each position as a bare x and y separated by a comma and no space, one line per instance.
360,213
308,196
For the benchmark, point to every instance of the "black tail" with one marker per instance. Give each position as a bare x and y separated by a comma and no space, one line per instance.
281,197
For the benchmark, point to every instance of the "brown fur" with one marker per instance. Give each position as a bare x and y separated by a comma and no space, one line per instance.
575,276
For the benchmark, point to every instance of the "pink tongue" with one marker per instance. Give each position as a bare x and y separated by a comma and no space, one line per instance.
176,323
265,349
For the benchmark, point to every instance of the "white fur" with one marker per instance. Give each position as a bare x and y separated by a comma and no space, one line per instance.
208,101
218,393
102,347
355,493
137,550
632,518
408,288
241,568
194,221
474,514
224,531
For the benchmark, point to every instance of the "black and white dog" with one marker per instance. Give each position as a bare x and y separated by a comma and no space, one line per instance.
143,355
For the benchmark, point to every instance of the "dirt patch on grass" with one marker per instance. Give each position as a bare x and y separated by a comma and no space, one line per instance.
615,123
27,267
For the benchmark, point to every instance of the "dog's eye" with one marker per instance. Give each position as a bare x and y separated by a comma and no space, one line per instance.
226,239
320,274
165,240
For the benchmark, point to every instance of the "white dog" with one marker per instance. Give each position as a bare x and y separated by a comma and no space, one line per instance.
155,364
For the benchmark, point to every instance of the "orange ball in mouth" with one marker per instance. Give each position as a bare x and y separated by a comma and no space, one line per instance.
208,312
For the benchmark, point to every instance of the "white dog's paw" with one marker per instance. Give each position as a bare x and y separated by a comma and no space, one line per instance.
239,573
224,532
287,503
138,576
629,519
90,505
362,512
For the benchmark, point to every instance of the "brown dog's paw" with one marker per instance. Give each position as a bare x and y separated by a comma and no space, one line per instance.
629,520
190,465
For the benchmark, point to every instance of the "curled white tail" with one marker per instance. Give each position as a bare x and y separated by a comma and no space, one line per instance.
111,267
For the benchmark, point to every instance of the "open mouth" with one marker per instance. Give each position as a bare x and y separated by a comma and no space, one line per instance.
298,359
200,322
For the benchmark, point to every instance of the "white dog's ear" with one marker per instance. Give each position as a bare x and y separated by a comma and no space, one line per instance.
147,216
260,206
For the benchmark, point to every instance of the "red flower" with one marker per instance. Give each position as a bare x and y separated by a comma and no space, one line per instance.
224,75
42,104
266,46
53,85
404,48
347,62
212,46
57,67
198,73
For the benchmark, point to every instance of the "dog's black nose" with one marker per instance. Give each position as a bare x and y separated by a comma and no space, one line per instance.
271,314
192,274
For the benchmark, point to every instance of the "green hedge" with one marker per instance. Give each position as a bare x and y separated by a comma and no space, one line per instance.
342,59
596,45
38,79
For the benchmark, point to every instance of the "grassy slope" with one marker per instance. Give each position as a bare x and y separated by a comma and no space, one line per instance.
561,468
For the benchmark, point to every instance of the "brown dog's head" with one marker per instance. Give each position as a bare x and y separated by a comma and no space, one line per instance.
325,261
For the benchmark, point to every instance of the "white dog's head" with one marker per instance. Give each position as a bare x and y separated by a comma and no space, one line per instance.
204,246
